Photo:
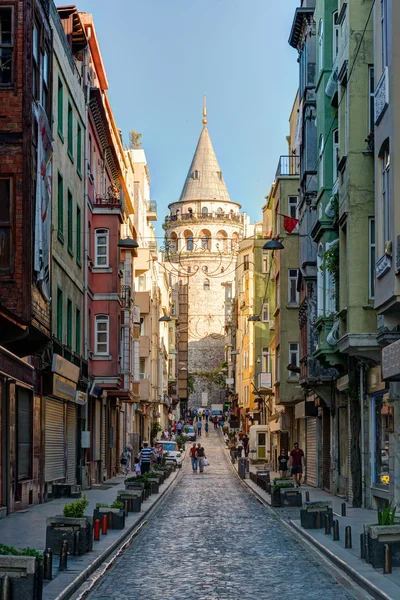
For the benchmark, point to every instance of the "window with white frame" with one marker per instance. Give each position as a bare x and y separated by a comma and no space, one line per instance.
101,248
385,160
293,210
102,331
321,162
246,359
384,41
371,258
293,294
246,394
335,37
293,357
321,45
265,312
266,360
265,261
371,99
335,154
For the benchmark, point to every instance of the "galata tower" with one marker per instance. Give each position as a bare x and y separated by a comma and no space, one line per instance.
202,233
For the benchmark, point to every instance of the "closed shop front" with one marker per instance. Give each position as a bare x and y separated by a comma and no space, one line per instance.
54,440
326,449
311,451
71,443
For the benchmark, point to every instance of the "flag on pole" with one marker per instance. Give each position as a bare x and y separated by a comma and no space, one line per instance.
289,223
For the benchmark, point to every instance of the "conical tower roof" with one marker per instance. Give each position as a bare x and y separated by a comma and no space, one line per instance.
204,180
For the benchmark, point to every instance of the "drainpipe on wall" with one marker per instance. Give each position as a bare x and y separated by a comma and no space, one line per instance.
362,367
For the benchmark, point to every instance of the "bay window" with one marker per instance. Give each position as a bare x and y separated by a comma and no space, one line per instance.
101,248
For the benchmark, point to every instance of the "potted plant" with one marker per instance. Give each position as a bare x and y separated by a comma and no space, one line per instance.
386,531
73,526
25,567
115,513
276,496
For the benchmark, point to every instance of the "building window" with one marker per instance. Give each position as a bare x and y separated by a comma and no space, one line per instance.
45,81
385,160
219,173
24,434
335,154
205,240
79,150
293,294
60,109
320,44
69,322
293,357
5,223
206,285
196,175
70,132
246,262
335,36
102,334
6,46
204,210
265,312
60,207
59,314
101,243
382,419
293,210
266,360
321,162
142,326
265,261
372,258
77,330
142,368
384,34
246,360
371,98
70,229
78,235
246,394
35,62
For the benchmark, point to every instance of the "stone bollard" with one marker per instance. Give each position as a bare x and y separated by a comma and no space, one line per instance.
387,569
335,530
48,564
347,539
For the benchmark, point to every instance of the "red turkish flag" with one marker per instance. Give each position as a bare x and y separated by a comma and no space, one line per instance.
289,223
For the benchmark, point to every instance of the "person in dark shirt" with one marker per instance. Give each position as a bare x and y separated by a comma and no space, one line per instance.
283,460
200,455
296,460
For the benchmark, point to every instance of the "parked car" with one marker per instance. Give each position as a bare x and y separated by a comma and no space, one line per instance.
171,452
190,432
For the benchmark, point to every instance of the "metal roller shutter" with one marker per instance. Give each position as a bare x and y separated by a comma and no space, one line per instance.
311,452
54,440
97,431
71,443
326,450
349,477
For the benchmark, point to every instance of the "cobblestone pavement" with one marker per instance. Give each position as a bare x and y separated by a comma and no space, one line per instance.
210,539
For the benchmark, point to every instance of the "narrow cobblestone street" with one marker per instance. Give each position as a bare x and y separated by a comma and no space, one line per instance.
212,540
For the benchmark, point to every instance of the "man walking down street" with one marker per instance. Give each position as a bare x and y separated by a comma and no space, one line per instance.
193,456
199,427
179,428
200,457
297,460
145,457
245,441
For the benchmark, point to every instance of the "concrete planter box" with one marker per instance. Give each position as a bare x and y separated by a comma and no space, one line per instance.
155,485
278,494
132,485
376,536
115,517
132,499
308,514
77,532
26,574
291,498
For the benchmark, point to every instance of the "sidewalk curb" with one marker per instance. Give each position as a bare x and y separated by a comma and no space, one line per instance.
99,560
290,525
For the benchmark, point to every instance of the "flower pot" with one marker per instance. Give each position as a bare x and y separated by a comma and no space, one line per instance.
78,532
376,536
116,517
26,574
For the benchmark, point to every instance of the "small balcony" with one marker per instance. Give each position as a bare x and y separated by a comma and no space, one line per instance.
144,346
142,300
111,199
151,210
288,166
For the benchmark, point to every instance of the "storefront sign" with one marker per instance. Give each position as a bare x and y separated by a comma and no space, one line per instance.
80,398
391,362
65,368
264,380
63,388
13,366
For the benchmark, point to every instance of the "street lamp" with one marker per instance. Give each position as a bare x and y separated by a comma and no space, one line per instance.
164,319
274,244
254,318
128,244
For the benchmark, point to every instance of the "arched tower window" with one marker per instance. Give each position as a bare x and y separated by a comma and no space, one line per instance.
222,241
173,243
188,240
234,240
204,210
205,239
206,285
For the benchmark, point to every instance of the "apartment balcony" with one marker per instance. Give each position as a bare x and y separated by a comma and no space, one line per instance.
151,210
109,200
327,352
288,166
142,300
144,346
142,261
145,390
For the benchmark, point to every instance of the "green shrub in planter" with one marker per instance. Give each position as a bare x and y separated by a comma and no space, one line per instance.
72,526
76,509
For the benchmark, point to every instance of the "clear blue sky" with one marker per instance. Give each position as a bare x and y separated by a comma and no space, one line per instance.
162,56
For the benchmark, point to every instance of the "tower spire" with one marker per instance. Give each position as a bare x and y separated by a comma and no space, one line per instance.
205,111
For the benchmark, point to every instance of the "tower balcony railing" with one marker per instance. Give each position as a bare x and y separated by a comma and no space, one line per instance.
204,216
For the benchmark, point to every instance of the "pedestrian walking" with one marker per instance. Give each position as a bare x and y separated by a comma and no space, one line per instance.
136,467
175,426
199,427
215,422
125,461
239,448
207,413
201,455
296,463
246,446
206,428
193,456
283,460
226,438
179,428
145,457
160,452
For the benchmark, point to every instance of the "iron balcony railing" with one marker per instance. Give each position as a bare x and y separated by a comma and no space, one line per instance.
151,206
205,216
288,165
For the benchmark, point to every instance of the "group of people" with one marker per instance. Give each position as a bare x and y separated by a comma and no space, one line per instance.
142,462
198,458
293,461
